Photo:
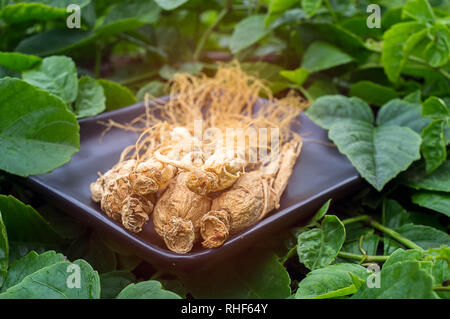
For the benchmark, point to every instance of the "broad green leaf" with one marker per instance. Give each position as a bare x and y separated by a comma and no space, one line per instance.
298,76
441,273
402,113
394,215
17,61
57,75
319,247
373,93
24,224
91,98
439,202
153,88
247,32
113,282
54,41
437,51
435,108
170,4
433,146
331,109
378,153
41,10
151,289
401,255
393,57
424,236
37,131
402,280
279,6
256,274
267,72
439,180
321,88
28,265
52,283
419,10
117,96
129,15
322,55
414,97
4,251
65,226
330,282
311,6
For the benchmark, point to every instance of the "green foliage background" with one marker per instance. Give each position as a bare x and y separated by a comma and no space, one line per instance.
382,94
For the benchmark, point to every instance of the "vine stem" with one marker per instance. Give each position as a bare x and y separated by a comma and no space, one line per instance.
392,233
363,258
208,32
441,288
330,8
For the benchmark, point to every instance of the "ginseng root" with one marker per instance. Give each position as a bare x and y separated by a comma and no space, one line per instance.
177,215
253,195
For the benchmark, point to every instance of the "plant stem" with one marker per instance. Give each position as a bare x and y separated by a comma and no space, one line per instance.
363,258
330,8
150,48
208,32
368,220
139,78
441,288
156,275
423,62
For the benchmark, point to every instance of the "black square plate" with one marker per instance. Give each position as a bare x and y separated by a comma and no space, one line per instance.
320,173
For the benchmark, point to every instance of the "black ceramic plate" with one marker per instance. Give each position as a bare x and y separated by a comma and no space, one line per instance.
320,173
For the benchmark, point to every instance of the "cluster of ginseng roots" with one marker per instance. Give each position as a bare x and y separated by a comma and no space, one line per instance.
197,188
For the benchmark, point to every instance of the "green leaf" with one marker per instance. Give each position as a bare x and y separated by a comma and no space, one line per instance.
298,76
322,55
24,224
424,236
257,274
170,4
91,98
402,113
330,282
373,93
393,57
153,88
441,272
369,244
129,15
321,88
378,153
167,72
435,108
17,61
394,215
28,265
401,255
311,6
151,289
437,51
438,180
43,10
117,96
419,10
319,247
113,282
439,202
52,283
4,251
54,41
247,32
331,109
56,74
320,213
402,280
433,145
37,131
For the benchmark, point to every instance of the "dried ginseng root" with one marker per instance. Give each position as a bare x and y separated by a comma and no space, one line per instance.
253,195
118,199
177,215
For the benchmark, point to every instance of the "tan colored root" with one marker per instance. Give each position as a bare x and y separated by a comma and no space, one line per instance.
179,235
151,176
179,202
250,198
135,212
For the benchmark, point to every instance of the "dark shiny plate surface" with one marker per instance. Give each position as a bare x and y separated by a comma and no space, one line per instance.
320,173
